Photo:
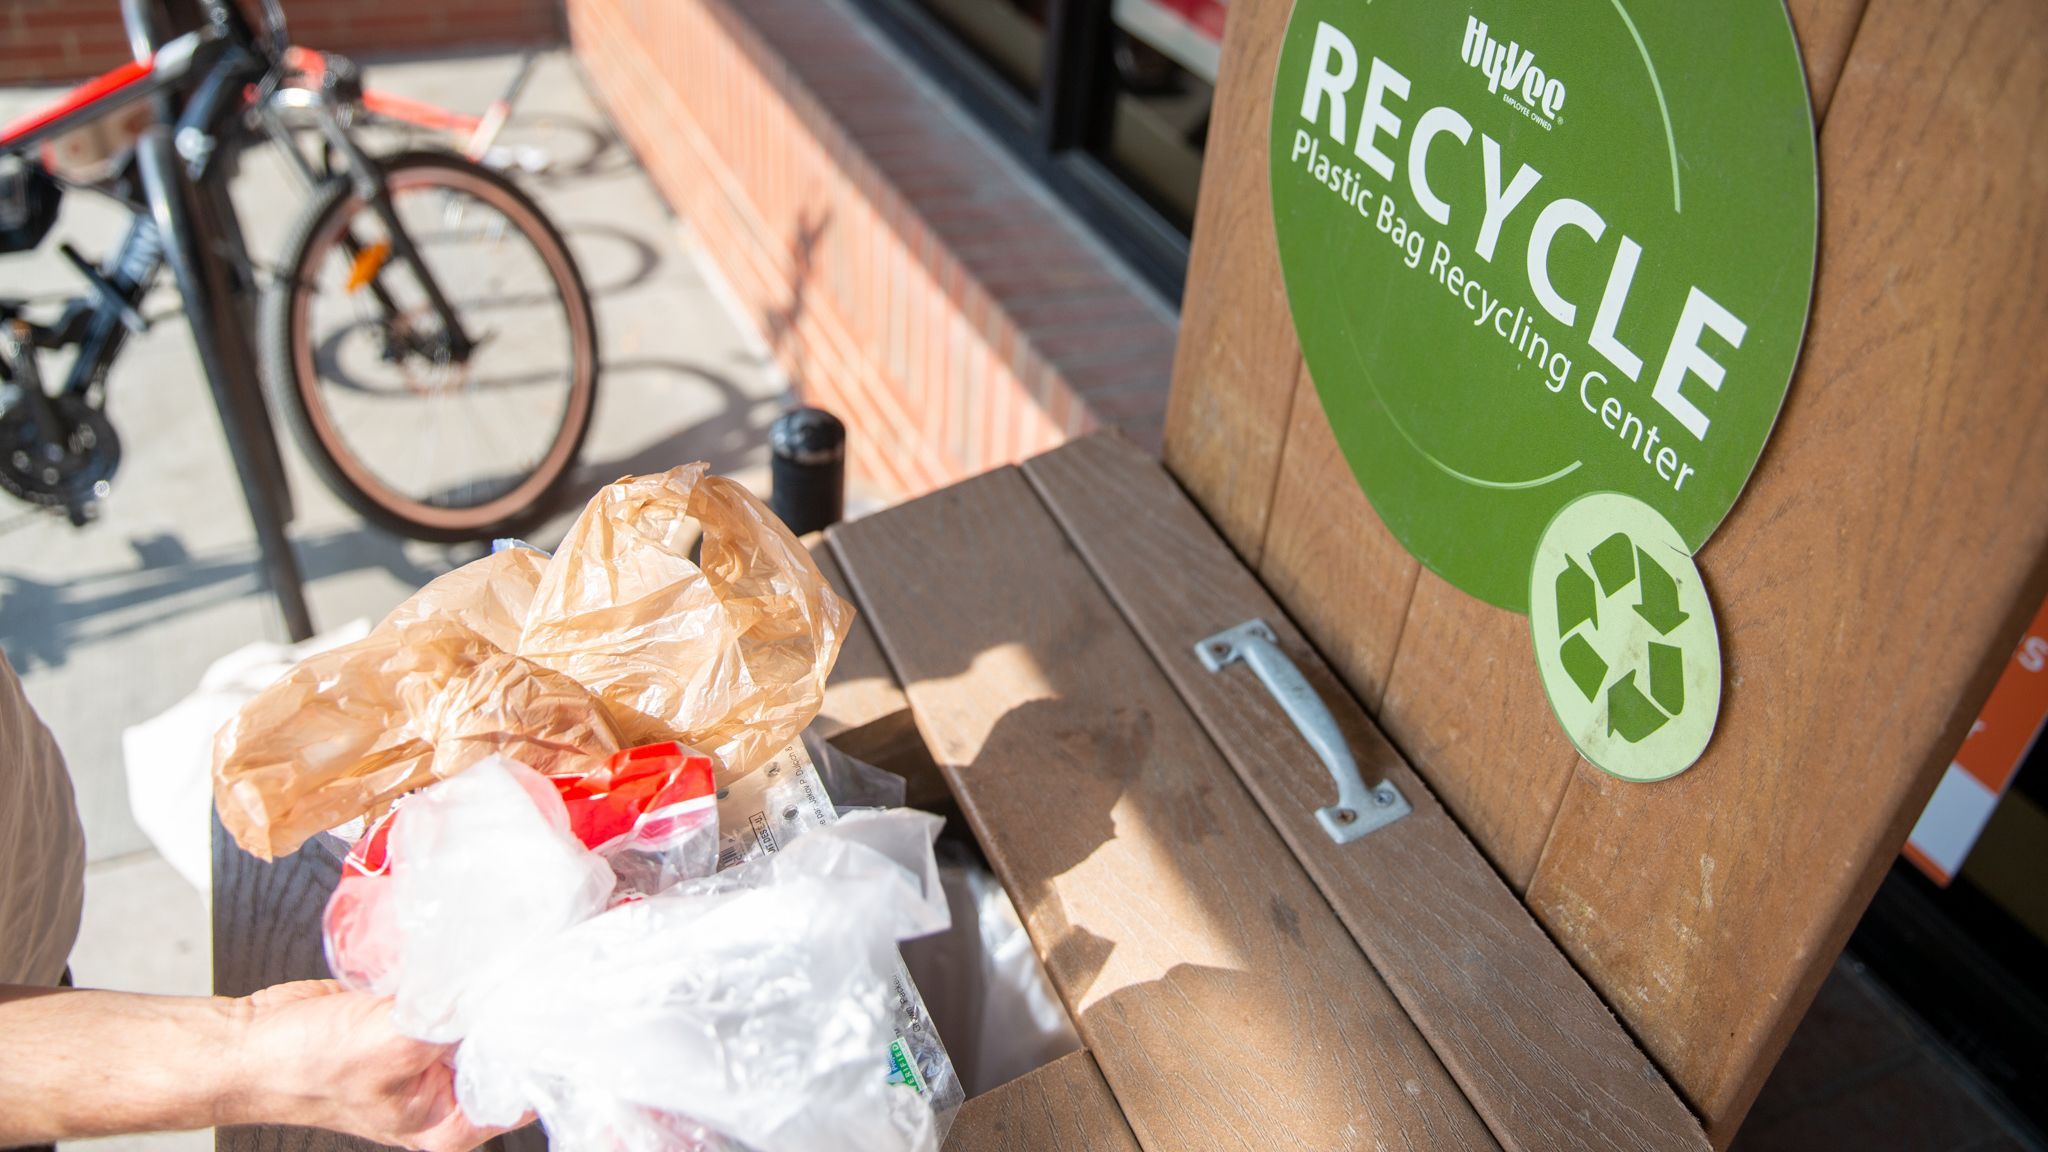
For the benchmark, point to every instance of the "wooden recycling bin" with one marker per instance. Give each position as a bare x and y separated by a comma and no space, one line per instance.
1869,584
1243,970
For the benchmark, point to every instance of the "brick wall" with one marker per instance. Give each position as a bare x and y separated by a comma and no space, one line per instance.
909,276
47,41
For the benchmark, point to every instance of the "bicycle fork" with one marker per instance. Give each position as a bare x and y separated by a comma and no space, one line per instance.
372,189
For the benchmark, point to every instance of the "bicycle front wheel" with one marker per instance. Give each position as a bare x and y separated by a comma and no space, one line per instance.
419,440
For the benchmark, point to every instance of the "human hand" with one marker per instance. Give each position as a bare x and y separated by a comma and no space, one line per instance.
319,1055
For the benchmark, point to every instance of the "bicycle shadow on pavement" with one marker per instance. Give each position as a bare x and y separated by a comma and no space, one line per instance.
42,623
729,441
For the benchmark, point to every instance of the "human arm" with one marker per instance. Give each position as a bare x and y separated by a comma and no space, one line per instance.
85,1063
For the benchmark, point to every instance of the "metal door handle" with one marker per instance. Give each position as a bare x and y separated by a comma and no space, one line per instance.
1358,809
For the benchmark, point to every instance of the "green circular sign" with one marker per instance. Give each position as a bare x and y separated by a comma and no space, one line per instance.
1537,251
1625,637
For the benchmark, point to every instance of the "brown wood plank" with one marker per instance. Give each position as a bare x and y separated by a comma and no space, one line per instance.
1328,554
861,689
1536,1052
1466,704
1235,368
1062,1107
865,713
1448,676
1826,29
1875,562
1225,1004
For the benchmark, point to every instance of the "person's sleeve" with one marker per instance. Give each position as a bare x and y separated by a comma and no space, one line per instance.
42,846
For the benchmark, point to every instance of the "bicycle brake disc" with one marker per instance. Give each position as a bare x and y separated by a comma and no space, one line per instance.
71,475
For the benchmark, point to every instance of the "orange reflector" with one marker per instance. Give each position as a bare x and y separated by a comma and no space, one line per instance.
367,264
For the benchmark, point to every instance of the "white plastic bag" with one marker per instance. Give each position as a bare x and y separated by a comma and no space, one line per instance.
757,1003
484,872
169,757
648,813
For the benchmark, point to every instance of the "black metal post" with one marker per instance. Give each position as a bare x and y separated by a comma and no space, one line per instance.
807,450
224,353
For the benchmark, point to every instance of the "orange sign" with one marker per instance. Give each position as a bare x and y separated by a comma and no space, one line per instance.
1990,757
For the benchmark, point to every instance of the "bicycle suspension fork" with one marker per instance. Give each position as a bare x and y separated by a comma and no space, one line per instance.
374,191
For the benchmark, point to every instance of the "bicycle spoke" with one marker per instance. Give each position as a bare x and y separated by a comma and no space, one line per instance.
431,431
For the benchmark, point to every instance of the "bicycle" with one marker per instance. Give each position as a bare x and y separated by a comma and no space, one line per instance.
426,336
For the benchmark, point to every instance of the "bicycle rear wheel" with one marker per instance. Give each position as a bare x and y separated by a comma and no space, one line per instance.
418,441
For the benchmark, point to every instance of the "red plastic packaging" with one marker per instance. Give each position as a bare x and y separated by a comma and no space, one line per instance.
647,790
650,812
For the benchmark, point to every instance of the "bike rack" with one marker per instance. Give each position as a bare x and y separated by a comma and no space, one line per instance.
183,217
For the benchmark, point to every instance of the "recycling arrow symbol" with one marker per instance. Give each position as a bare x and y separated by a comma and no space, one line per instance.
1625,639
1636,707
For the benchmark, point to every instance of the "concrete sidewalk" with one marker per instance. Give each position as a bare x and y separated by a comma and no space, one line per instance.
112,624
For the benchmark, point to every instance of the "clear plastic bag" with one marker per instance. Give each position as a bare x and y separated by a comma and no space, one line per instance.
748,1008
648,813
797,792
851,782
987,990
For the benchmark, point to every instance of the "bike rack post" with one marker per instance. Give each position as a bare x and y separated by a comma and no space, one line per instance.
182,222
807,469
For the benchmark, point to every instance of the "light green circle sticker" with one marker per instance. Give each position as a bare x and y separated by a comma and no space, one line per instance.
1625,637
1536,251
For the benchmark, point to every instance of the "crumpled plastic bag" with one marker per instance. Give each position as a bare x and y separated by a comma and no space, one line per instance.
618,639
650,814
749,1006
169,757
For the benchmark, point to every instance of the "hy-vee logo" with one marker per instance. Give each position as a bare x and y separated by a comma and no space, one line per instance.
1512,67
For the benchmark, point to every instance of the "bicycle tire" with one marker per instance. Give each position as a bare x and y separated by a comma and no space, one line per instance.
288,369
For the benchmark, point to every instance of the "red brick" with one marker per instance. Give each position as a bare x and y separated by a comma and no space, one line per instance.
97,41
937,283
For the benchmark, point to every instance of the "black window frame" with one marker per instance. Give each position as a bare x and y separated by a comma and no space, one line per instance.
1058,133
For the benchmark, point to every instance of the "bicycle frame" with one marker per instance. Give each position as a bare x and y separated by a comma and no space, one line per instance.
341,88
103,94
206,81
213,76
218,64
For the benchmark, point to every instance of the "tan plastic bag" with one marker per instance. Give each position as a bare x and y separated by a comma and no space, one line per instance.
618,640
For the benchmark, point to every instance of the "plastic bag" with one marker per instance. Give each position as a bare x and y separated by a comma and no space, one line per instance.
649,814
755,1003
169,757
727,655
483,869
617,639
987,990
752,1006
768,809
850,781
